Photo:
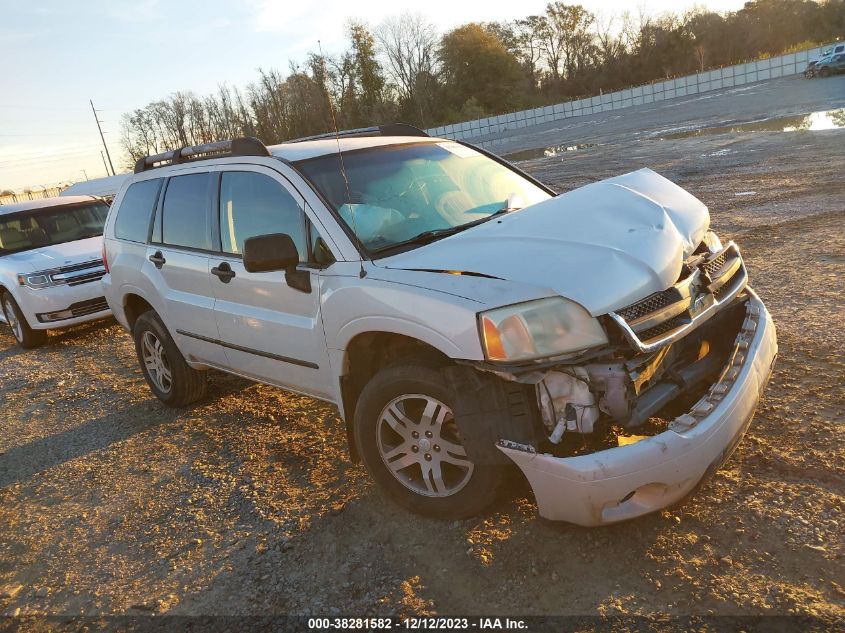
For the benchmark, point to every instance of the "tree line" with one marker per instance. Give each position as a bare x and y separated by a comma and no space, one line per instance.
404,70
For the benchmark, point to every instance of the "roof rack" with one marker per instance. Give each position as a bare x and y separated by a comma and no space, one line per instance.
391,129
242,146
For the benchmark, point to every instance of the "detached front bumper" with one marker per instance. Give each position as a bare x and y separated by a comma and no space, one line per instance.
629,481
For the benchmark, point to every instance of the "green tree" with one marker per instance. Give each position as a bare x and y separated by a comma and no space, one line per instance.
477,65
368,71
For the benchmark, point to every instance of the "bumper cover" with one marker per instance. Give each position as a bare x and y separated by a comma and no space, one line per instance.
62,306
630,481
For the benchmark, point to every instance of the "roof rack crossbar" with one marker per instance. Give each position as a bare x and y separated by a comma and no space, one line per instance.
242,146
391,129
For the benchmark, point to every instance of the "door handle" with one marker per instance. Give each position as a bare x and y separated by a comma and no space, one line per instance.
158,259
223,272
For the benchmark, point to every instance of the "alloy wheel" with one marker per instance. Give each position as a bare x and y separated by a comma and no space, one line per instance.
419,443
155,361
12,319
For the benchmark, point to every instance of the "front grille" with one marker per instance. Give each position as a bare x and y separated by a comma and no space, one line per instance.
651,303
74,267
83,308
713,266
663,328
67,274
729,285
663,316
88,278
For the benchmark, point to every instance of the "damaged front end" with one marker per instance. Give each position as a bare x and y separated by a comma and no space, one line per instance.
621,431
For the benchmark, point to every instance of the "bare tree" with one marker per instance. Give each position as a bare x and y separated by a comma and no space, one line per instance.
409,46
529,34
609,40
566,38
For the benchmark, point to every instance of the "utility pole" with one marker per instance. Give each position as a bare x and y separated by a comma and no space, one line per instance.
103,138
84,173
104,163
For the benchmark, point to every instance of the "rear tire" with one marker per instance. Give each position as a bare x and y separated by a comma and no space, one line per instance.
24,335
409,443
170,378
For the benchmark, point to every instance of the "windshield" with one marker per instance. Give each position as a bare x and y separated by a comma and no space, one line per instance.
401,192
36,228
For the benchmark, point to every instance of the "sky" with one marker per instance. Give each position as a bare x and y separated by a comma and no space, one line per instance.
56,56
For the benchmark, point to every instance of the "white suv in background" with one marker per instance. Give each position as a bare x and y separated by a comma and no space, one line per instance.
826,55
50,265
460,315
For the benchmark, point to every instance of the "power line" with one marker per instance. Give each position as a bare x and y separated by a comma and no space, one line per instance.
70,159
28,162
46,134
59,108
5,158
26,107
73,149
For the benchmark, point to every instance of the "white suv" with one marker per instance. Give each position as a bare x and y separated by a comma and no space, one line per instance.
459,314
826,55
51,265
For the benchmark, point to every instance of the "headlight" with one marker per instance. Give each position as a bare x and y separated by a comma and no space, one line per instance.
712,242
36,280
535,329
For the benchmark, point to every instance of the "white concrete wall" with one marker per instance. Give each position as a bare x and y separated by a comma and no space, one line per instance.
739,75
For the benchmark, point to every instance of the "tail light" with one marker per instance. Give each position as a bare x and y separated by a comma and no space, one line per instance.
105,261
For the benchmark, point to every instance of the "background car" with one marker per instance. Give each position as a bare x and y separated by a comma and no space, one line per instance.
51,265
104,188
832,66
813,66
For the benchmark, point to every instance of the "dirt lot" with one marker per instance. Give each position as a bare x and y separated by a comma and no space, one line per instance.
247,503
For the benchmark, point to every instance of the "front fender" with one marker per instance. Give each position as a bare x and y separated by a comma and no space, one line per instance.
352,306
397,325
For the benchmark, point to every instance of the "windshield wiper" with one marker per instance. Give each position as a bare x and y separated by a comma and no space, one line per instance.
426,237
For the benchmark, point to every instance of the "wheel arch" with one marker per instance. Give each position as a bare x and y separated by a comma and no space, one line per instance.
365,355
134,305
4,290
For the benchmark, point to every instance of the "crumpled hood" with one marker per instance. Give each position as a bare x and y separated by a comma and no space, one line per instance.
48,257
604,245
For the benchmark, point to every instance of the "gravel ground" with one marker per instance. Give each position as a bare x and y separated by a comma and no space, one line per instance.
247,502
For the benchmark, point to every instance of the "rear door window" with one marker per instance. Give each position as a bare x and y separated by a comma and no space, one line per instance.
184,220
133,217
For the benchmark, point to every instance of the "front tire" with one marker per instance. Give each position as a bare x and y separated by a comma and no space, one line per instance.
409,442
24,335
825,72
170,378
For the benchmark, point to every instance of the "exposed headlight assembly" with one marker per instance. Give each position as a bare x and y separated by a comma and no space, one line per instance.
538,329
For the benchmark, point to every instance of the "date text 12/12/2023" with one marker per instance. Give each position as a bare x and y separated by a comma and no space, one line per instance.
417,623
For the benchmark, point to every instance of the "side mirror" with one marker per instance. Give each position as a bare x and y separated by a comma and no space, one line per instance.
276,251
267,253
